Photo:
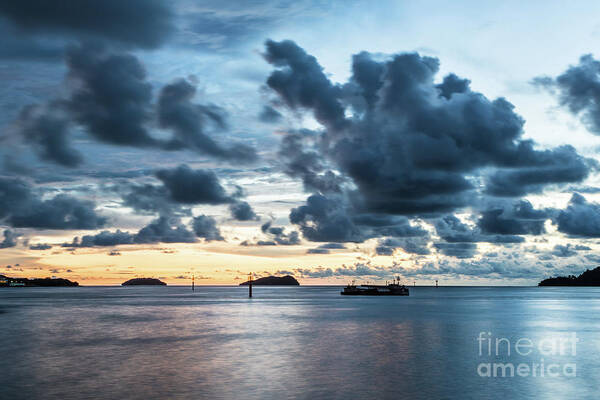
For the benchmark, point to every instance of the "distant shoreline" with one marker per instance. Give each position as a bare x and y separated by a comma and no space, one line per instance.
309,286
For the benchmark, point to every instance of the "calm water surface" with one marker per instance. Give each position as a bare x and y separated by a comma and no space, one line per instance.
288,343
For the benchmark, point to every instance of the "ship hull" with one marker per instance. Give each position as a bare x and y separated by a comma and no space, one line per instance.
372,294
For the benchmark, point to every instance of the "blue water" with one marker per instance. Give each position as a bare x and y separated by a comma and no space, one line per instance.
291,343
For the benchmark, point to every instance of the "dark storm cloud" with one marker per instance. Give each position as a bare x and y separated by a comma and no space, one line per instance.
189,186
580,218
149,199
324,220
111,99
188,121
331,219
139,23
206,227
10,239
270,115
60,212
326,248
47,129
453,84
411,146
578,89
40,246
304,161
317,251
104,238
242,211
496,225
569,250
493,222
164,229
301,82
452,230
278,236
458,250
387,247
560,165
16,46
21,207
182,187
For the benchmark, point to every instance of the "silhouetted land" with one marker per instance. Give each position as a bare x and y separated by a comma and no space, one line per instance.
588,278
44,282
287,280
143,282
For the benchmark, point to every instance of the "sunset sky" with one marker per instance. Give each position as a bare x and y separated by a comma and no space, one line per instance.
330,141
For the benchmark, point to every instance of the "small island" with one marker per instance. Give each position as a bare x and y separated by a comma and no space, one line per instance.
588,278
35,282
287,280
143,282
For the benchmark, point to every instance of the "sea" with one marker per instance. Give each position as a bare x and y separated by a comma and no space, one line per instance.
306,342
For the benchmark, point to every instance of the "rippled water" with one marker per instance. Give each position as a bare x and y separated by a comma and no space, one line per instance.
303,342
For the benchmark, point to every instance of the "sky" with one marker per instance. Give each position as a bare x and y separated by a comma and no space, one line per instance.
331,141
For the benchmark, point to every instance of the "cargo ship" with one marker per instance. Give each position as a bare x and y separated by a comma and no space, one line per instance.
391,289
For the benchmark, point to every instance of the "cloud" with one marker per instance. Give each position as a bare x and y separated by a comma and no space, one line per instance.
303,160
323,220
317,251
105,20
387,246
452,230
164,229
10,239
329,219
188,186
557,166
270,115
300,82
409,145
206,228
106,238
498,221
188,120
578,89
326,248
579,218
47,129
22,208
40,246
149,198
19,47
568,250
60,212
242,211
458,250
110,97
278,236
